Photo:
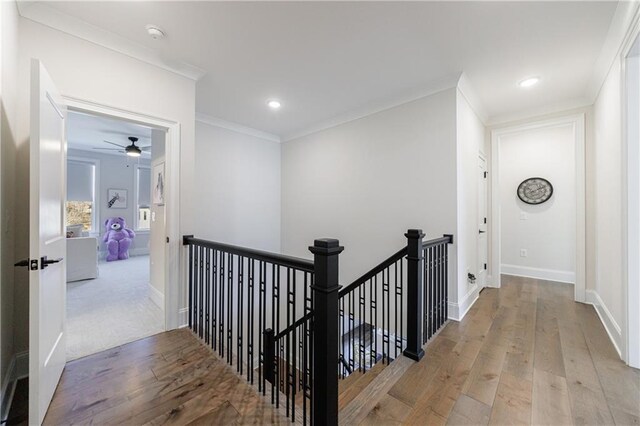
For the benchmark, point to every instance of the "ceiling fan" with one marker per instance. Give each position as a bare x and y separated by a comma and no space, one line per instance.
132,150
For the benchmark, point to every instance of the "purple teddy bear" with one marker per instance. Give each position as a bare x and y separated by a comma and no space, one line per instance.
118,238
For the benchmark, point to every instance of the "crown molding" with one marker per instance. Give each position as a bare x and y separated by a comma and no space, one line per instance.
45,15
624,21
472,97
538,113
235,127
447,82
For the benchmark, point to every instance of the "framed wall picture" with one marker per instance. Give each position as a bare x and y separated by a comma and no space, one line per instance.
158,183
117,198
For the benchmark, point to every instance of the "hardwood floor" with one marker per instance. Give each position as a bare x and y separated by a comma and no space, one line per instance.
168,378
524,354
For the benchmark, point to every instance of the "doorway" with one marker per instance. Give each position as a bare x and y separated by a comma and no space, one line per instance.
631,211
115,229
538,202
483,241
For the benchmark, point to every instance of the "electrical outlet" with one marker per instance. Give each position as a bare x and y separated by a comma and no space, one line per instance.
523,216
523,252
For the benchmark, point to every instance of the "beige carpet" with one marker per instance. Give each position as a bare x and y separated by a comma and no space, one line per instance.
113,309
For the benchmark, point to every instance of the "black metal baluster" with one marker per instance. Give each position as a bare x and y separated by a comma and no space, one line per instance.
240,313
191,307
261,321
207,295
446,282
250,308
200,291
221,318
372,355
214,302
374,304
293,339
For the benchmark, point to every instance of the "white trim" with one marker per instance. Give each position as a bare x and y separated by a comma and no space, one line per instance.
630,83
457,311
235,127
156,296
578,123
43,14
609,323
184,318
437,86
539,273
472,98
623,22
174,267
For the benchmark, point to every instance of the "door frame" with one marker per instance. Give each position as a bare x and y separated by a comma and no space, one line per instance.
578,123
172,264
630,83
486,279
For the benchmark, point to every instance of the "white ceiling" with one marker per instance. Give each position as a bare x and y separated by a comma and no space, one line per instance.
326,59
88,132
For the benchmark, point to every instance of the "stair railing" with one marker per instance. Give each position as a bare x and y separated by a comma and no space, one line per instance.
244,304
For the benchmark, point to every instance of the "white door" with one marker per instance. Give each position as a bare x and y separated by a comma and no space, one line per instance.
482,223
47,242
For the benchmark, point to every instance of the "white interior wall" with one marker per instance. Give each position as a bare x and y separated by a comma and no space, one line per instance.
547,231
116,172
8,125
238,178
471,143
78,69
367,181
608,294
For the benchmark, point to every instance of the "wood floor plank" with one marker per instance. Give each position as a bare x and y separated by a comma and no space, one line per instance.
550,399
512,404
483,379
468,411
388,411
360,407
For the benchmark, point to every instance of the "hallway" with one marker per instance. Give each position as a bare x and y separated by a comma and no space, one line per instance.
524,354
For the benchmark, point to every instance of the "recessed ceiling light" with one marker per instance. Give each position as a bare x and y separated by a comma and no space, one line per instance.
155,32
528,82
274,104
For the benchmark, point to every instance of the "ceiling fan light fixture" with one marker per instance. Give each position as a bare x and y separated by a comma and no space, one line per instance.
133,151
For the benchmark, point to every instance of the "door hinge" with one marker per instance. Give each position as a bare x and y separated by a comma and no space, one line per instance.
485,174
485,220
167,240
485,266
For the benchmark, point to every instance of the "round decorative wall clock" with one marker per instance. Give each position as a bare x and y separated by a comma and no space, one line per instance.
535,190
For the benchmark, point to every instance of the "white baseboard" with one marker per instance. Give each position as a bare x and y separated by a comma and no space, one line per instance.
457,311
539,273
156,296
183,318
8,388
610,325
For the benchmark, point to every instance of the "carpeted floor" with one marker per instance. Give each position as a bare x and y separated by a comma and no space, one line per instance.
111,310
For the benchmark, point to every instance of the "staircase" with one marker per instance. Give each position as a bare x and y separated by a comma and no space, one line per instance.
275,318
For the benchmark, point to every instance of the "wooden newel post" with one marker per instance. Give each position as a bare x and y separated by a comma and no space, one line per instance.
325,331
415,288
